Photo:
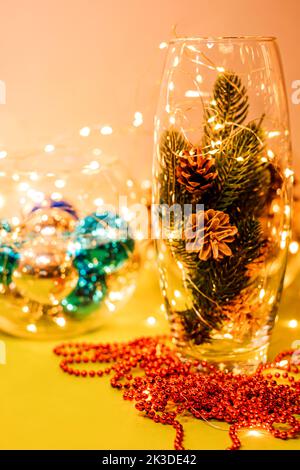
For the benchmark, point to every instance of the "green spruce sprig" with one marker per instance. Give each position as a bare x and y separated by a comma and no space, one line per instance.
240,189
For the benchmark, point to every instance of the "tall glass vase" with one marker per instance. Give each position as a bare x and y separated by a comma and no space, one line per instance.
222,188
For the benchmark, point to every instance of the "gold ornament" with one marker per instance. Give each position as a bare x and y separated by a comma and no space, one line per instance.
211,237
47,222
45,273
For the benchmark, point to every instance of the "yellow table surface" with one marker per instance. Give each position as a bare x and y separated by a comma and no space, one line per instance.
42,408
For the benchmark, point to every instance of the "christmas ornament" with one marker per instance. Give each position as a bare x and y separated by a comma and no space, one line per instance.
164,388
5,228
8,261
45,201
45,272
47,222
104,243
86,297
210,232
60,204
196,171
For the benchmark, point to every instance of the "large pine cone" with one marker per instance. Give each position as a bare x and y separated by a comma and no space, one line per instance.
195,171
209,233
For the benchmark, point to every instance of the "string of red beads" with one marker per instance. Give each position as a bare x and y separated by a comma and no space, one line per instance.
167,387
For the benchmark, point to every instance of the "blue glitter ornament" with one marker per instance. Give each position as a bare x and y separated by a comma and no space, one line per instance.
104,243
8,262
86,297
63,205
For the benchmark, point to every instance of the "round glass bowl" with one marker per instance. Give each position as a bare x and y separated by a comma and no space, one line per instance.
68,258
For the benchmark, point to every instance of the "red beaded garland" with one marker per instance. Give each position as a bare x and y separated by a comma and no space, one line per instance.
168,387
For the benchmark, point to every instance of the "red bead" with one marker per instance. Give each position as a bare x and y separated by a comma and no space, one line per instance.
167,388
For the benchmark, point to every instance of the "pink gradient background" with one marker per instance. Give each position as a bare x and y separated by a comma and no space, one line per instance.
70,63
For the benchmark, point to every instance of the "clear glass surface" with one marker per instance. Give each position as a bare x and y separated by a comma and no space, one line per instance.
222,142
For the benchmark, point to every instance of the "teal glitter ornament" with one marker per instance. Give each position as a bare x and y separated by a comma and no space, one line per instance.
104,243
8,262
5,226
86,297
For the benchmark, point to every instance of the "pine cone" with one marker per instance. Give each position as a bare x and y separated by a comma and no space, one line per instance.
210,232
195,171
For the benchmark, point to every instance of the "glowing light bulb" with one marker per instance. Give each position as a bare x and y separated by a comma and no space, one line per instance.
98,201
106,130
146,184
176,61
163,45
293,247
3,154
262,293
192,94
34,176
15,221
293,323
60,183
49,148
23,186
97,152
60,321
254,433
31,328
85,131
151,321
288,172
272,134
56,196
94,165
138,119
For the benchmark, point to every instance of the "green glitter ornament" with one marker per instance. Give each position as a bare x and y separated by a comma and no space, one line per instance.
86,297
8,262
104,243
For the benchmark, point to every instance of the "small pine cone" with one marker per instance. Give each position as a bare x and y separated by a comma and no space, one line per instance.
195,171
209,233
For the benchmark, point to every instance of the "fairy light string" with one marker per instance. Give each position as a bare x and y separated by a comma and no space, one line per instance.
164,388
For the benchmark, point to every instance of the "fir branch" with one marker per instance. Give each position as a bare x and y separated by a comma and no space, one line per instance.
229,105
244,177
171,146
